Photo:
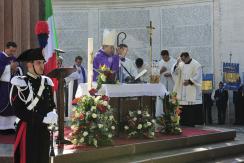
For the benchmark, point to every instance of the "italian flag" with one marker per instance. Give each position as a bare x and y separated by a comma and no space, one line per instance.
52,43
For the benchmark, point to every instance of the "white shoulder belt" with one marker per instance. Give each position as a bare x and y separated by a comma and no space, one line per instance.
30,96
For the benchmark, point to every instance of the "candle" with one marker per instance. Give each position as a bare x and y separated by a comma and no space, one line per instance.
90,63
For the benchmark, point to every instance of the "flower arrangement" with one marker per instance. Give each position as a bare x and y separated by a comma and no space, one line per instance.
171,117
106,76
93,122
139,124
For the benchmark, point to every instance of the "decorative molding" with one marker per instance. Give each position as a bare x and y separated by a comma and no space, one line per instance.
120,3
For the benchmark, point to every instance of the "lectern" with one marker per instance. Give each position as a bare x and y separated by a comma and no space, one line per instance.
60,74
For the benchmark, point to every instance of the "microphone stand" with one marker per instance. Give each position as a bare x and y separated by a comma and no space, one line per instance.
132,77
52,128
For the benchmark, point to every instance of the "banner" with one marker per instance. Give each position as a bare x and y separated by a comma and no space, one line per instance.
231,76
242,78
207,82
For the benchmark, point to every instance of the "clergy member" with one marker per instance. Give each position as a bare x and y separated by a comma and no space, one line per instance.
140,65
128,70
165,66
105,55
33,103
187,74
81,76
8,68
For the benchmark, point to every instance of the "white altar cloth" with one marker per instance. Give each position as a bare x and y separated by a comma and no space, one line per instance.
125,90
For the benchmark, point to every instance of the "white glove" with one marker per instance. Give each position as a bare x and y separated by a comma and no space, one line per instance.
51,118
78,69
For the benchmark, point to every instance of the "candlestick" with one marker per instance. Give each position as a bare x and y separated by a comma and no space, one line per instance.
90,63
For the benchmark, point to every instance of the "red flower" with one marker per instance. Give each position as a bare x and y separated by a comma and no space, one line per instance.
105,98
81,117
107,73
101,108
178,111
92,91
81,127
75,101
110,75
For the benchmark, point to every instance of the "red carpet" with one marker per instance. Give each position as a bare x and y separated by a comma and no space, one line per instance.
187,132
122,140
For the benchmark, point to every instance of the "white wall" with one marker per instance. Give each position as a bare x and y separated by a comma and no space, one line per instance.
209,29
180,25
232,31
219,25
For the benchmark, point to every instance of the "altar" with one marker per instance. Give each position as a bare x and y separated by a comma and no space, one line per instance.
125,90
124,97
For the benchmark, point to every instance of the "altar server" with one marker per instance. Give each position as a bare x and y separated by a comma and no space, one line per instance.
165,66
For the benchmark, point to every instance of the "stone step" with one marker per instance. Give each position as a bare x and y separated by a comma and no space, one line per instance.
132,150
229,159
190,154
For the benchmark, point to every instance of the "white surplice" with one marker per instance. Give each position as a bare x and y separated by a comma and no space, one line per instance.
167,81
191,94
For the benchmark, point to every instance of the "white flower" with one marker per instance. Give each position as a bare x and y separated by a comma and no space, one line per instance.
112,127
139,126
95,142
84,99
75,141
152,133
93,108
153,121
134,119
126,127
111,117
100,125
147,115
103,77
149,123
94,115
87,113
81,140
110,135
73,127
130,113
105,103
138,112
97,99
77,115
85,133
106,129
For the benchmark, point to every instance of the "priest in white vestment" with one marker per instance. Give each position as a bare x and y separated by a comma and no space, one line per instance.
187,74
165,65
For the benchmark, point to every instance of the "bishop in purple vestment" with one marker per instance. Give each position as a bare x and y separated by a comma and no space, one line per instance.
102,58
105,55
